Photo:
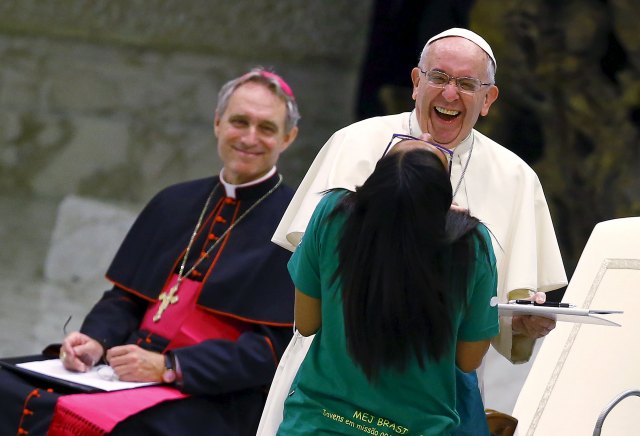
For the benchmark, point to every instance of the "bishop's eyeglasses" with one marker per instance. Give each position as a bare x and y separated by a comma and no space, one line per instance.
448,154
439,79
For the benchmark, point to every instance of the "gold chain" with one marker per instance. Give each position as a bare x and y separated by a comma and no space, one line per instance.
170,297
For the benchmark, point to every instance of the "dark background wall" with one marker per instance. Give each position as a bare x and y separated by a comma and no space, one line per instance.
570,105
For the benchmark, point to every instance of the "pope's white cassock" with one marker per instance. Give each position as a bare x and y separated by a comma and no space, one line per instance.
493,183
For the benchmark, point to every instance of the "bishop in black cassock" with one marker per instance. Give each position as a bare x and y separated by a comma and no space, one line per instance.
201,299
243,286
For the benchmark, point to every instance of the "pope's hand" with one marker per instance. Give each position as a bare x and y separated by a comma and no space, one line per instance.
530,325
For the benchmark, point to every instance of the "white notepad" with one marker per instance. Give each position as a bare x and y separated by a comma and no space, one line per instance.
54,368
567,314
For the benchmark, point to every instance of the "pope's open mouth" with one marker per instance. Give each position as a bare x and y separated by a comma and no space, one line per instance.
446,114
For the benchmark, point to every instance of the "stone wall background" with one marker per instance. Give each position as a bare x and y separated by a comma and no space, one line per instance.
103,103
115,99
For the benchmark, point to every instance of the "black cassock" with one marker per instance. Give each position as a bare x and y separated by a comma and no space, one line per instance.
247,280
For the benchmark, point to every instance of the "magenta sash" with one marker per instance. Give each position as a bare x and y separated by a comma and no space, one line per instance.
98,414
185,323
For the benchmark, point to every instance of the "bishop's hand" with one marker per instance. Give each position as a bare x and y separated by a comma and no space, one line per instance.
134,364
80,352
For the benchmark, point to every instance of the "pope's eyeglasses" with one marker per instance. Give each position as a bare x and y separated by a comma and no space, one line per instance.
439,79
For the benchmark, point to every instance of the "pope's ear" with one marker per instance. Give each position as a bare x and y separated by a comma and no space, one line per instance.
415,79
492,95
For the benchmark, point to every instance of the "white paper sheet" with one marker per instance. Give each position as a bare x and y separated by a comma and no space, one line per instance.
54,368
567,314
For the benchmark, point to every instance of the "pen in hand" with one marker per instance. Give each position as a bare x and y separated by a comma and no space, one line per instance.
87,360
545,304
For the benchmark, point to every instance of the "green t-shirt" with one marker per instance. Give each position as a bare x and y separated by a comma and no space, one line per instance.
330,394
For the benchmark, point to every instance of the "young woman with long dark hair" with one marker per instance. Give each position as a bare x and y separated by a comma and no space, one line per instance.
397,289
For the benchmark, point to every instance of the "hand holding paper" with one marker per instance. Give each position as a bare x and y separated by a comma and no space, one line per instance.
567,314
79,352
532,326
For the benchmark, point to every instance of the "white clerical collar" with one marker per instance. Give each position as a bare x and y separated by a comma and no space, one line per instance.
465,145
414,126
230,189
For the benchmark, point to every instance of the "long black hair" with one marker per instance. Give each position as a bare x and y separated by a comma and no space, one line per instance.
398,248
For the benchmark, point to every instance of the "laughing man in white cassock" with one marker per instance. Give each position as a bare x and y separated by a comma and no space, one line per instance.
453,84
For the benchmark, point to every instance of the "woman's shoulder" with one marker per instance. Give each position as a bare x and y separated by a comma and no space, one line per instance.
483,242
331,198
465,229
326,206
483,231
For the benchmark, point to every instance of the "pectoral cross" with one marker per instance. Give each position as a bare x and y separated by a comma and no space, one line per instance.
167,299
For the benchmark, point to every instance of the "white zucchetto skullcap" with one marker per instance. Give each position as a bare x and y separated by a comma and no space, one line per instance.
471,36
